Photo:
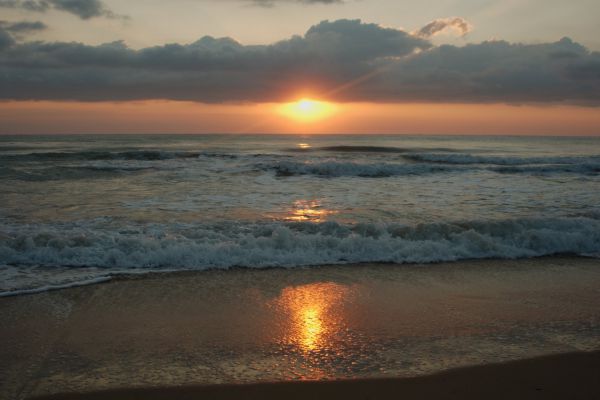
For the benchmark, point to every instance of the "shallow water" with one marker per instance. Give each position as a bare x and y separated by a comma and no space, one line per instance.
76,209
249,325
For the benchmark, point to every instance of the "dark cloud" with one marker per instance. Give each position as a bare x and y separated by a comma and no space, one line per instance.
6,41
23,26
496,71
84,9
436,26
344,60
10,32
33,5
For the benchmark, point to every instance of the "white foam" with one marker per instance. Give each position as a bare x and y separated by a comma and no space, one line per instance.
47,288
94,253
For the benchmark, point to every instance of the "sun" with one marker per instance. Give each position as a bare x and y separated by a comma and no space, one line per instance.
307,110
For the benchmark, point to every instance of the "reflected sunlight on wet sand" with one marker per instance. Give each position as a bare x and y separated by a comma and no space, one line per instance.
243,325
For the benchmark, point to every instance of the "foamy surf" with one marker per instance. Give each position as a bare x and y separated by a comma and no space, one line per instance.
80,209
48,288
95,252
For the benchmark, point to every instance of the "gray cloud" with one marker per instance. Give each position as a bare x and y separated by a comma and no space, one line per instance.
32,5
84,9
436,26
6,40
344,60
10,32
23,26
498,71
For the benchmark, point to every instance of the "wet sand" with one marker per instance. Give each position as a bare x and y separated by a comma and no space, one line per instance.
567,376
360,322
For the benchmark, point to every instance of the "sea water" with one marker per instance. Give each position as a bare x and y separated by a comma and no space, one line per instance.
79,209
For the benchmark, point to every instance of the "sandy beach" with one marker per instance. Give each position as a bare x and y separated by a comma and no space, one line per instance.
208,332
565,376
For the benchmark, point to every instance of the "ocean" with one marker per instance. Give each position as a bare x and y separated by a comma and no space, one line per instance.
81,209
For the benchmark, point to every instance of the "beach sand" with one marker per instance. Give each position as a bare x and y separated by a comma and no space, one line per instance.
195,330
565,376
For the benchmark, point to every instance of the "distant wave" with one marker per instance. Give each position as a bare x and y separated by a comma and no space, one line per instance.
350,149
134,155
202,246
15,148
283,166
583,169
468,159
338,169
332,169
102,155
363,149
69,173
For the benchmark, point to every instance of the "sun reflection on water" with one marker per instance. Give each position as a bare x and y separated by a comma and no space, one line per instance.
309,210
311,327
319,332
314,316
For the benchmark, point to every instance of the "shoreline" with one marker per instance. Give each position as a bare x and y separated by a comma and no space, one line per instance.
118,276
247,326
562,376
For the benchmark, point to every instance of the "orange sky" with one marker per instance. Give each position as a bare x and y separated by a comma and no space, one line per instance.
28,117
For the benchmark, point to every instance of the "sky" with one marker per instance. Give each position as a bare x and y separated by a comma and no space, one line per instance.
241,66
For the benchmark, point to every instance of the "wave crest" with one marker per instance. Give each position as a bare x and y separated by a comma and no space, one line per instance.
257,245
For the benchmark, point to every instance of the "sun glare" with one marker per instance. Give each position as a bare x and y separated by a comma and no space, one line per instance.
307,110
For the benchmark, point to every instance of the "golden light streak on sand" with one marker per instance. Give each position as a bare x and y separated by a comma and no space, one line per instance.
314,316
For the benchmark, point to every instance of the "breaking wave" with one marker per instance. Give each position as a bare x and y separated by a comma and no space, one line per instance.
96,252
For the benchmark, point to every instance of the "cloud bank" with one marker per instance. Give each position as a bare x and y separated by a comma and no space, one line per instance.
386,65
84,9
